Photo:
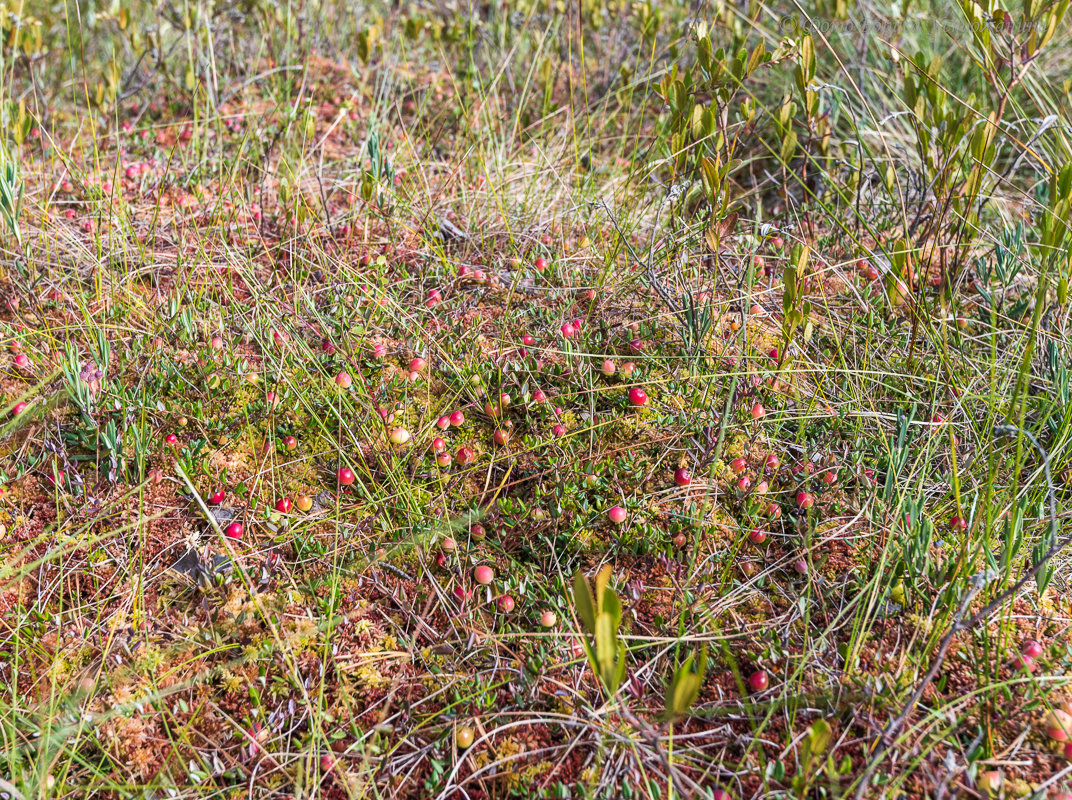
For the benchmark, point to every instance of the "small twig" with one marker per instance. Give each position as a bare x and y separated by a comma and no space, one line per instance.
1050,781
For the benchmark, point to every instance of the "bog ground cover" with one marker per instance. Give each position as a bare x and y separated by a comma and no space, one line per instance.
535,399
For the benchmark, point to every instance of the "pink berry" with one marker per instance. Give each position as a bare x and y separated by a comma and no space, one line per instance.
1032,648
346,476
682,477
217,497
637,396
283,505
1058,724
505,603
617,515
758,681
758,411
234,530
484,574
456,419
344,380
805,500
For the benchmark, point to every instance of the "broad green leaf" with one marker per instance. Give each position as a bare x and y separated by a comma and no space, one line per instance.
602,579
582,601
819,736
789,146
606,643
709,175
619,676
612,606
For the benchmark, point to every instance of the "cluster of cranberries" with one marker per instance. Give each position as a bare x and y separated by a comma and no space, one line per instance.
1030,651
484,575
